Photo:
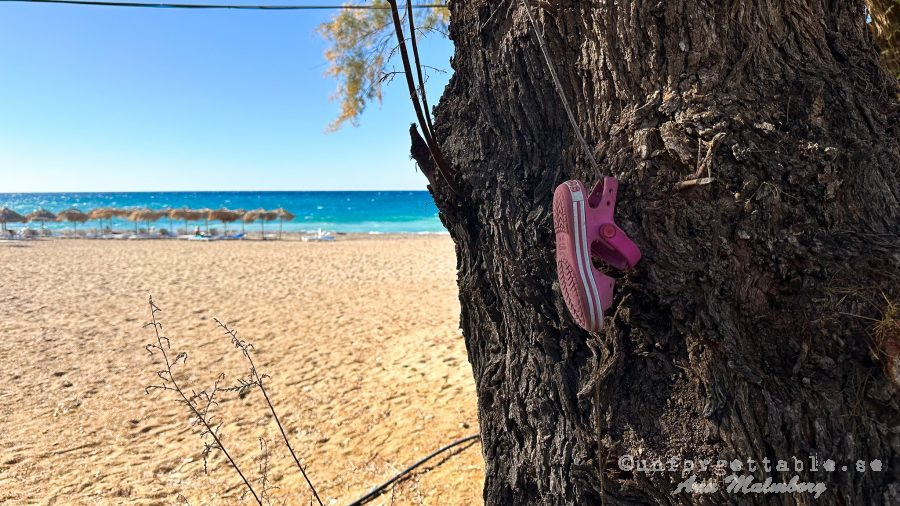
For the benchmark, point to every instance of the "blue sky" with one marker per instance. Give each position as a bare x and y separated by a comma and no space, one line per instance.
120,99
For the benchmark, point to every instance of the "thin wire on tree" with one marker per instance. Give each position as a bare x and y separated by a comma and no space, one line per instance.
559,88
222,6
378,490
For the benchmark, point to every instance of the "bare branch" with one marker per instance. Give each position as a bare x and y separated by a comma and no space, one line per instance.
200,415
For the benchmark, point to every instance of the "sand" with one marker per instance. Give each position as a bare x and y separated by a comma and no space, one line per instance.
360,338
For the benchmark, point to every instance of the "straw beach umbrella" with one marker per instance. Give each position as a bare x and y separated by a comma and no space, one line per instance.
242,213
198,214
226,216
282,215
73,216
183,214
155,215
137,216
262,216
167,213
119,213
250,217
145,215
7,215
203,214
100,214
41,215
267,216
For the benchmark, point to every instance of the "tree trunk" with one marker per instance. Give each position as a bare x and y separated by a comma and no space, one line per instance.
745,332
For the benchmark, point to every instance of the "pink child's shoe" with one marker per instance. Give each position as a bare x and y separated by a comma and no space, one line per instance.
584,226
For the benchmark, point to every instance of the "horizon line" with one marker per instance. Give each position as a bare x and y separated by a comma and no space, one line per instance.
208,191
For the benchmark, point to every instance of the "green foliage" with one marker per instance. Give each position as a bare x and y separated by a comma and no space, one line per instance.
362,44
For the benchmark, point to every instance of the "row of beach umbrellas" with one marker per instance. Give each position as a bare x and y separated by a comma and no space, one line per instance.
225,216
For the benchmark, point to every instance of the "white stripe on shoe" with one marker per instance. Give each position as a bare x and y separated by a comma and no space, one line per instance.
588,268
583,259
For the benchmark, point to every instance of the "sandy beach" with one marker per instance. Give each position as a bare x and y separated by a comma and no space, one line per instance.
360,338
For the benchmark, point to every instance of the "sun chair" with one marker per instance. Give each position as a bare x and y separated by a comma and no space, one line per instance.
321,235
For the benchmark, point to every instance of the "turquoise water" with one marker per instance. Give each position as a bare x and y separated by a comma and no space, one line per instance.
363,211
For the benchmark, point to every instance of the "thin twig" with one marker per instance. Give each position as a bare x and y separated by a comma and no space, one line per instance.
415,48
693,182
168,377
704,165
436,153
264,471
257,379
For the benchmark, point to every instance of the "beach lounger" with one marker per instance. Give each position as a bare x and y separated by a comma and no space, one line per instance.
321,235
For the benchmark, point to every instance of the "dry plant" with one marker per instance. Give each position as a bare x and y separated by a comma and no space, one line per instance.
255,379
199,404
265,487
887,339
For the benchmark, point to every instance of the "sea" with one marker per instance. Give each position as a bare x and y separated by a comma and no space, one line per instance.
372,212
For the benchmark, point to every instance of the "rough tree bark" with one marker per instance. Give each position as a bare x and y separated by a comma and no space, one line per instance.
746,330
